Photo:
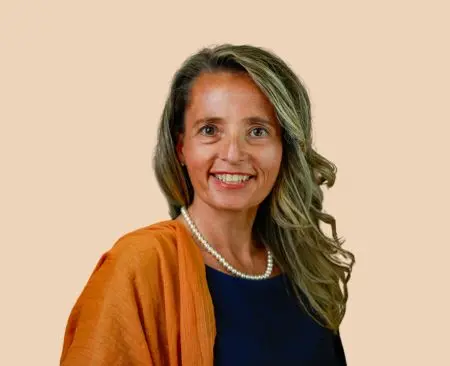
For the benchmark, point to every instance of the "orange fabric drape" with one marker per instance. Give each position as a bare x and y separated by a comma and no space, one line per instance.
146,303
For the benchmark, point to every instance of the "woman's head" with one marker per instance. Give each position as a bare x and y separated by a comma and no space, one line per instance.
254,113
259,125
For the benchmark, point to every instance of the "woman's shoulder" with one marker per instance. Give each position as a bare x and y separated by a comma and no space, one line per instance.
127,280
147,244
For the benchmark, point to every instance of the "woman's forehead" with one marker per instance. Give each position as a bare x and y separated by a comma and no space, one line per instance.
229,94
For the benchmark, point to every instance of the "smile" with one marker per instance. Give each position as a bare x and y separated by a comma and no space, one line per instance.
232,178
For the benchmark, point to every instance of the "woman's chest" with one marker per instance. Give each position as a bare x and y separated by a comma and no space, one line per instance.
261,324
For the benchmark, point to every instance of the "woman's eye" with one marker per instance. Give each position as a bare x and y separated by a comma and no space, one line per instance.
260,132
207,130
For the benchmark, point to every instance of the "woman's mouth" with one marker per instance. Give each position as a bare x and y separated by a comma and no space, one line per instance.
232,180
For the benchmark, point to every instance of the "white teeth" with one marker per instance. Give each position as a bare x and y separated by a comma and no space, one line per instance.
232,178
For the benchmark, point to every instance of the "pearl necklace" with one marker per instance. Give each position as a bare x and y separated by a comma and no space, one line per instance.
221,259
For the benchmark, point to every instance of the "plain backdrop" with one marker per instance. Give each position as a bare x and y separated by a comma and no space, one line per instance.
82,86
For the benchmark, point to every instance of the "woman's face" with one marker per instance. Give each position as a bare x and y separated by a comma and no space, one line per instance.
232,143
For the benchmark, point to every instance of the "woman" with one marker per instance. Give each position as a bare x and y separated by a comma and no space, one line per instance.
241,274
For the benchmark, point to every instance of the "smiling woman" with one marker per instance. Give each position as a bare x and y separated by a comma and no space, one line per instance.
242,273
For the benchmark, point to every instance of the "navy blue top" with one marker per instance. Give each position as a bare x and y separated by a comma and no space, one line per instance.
260,323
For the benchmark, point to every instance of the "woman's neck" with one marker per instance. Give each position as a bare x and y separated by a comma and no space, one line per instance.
229,232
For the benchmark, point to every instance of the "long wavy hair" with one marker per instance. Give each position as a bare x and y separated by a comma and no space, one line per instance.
288,220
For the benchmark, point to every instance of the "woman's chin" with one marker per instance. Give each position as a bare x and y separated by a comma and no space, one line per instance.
232,204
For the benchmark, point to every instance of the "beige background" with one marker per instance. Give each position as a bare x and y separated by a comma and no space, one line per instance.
82,85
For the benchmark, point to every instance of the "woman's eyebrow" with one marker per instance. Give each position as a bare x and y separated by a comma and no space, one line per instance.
207,120
256,119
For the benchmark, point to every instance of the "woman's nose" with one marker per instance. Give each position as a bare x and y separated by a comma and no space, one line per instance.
233,149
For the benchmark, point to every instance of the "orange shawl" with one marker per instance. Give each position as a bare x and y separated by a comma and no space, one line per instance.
146,303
